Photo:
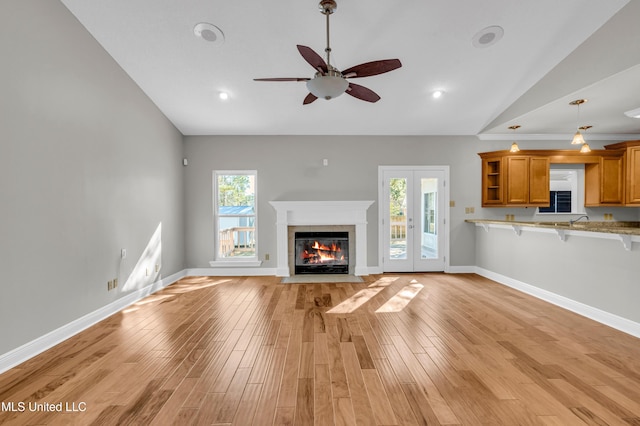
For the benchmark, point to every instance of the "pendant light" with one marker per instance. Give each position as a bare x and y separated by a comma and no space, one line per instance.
514,145
578,139
585,146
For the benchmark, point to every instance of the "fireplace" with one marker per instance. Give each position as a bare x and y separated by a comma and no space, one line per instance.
294,214
321,252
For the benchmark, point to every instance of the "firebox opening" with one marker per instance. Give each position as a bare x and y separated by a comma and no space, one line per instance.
321,252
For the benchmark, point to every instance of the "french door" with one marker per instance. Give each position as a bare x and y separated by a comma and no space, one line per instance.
413,210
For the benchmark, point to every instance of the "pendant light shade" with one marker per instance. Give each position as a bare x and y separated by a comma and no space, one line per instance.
578,139
585,146
514,145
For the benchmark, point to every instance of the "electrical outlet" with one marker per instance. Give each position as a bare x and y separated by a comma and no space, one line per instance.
147,272
123,253
266,256
115,283
469,210
452,203
157,267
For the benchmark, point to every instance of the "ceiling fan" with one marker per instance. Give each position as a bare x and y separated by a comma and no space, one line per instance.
328,82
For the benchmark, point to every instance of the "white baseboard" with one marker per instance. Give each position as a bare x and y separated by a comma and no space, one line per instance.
47,341
461,270
603,317
230,272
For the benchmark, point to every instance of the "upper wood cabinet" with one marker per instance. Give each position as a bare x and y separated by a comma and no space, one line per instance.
633,175
630,170
492,181
612,176
604,182
511,180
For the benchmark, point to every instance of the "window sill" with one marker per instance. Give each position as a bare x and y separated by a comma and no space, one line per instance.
234,263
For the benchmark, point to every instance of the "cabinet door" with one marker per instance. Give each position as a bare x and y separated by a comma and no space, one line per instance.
611,180
633,175
517,180
539,181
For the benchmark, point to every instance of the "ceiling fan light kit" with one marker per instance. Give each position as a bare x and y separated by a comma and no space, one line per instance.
328,82
327,86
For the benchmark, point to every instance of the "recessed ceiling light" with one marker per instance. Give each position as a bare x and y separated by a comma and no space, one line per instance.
634,113
437,94
488,36
223,95
209,33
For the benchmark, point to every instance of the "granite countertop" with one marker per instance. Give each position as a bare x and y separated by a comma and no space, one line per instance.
610,227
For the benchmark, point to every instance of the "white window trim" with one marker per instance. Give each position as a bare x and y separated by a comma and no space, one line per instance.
233,262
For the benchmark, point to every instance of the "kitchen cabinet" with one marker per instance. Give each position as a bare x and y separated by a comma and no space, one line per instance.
612,176
617,176
492,181
630,151
604,182
514,180
633,175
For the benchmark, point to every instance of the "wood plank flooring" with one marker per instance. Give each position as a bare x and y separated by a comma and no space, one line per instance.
251,351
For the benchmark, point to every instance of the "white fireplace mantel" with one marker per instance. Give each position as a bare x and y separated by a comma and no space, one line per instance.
309,213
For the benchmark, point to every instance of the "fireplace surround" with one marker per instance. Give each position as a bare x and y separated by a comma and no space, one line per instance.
321,213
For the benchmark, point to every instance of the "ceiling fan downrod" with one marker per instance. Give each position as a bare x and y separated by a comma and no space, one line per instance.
327,7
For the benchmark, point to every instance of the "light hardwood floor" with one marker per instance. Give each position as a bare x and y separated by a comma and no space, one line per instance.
249,350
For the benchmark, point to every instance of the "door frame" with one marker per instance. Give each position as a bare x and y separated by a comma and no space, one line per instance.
446,195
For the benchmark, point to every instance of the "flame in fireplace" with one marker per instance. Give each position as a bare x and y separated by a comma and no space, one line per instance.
323,253
318,246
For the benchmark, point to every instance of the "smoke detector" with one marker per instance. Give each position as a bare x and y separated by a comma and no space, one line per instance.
209,33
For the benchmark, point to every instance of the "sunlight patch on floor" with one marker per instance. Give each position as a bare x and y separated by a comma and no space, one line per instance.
363,296
398,302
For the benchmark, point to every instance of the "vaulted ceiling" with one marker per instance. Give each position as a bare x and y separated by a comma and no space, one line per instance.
551,53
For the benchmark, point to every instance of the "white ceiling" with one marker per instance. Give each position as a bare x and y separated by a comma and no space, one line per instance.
486,89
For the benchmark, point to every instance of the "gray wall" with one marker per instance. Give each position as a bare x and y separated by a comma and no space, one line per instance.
89,166
290,168
596,272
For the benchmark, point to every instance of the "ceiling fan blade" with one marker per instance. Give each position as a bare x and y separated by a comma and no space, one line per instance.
310,98
372,68
282,79
362,92
313,59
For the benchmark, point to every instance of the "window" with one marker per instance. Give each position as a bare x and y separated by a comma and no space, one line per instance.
566,189
235,214
560,202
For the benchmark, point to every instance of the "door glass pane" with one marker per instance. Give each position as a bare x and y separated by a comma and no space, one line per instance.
398,218
429,218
